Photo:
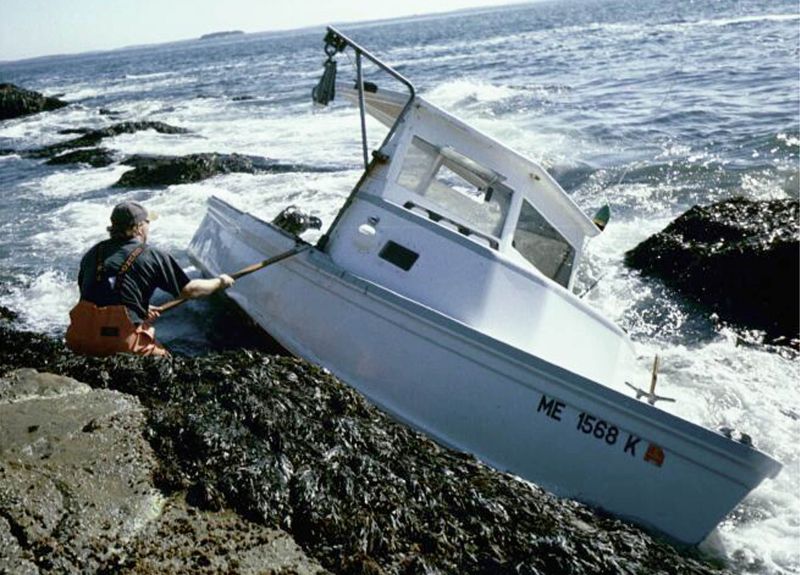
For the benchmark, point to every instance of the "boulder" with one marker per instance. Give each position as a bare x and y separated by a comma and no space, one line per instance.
95,157
739,258
16,102
153,171
74,472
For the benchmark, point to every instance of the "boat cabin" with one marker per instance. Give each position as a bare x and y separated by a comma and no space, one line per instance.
468,181
448,217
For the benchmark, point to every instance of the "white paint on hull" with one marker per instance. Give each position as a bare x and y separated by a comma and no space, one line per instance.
475,393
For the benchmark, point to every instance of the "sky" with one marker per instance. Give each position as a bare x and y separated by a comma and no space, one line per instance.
30,28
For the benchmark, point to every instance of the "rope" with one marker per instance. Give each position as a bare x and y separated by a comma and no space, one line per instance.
606,208
677,68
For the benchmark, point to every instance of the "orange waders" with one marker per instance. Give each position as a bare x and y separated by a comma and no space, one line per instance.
108,330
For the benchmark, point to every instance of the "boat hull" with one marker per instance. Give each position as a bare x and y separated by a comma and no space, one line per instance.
510,409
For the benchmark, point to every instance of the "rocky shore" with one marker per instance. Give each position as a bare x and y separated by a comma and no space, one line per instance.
154,170
248,463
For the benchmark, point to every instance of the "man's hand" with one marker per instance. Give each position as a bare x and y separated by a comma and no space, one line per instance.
202,287
153,312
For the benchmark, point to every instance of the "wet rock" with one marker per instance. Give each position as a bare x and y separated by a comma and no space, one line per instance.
70,131
16,102
95,157
739,258
188,540
74,472
7,314
93,137
152,171
287,445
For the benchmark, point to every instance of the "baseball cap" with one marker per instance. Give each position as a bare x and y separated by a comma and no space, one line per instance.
127,214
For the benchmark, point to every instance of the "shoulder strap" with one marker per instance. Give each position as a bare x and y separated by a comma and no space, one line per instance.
127,265
99,264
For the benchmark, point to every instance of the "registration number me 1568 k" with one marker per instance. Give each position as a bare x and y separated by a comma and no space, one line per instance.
603,431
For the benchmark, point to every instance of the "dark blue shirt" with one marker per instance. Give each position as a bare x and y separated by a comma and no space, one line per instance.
152,269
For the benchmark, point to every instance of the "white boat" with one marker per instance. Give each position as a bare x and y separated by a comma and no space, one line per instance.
442,292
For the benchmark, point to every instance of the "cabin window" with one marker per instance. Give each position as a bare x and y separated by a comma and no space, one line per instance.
542,245
460,186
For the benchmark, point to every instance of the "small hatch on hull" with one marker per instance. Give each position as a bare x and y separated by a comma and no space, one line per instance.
398,255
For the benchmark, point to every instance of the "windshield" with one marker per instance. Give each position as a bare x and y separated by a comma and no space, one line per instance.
542,245
464,189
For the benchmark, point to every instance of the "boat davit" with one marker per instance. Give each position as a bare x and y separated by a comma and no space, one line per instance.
442,291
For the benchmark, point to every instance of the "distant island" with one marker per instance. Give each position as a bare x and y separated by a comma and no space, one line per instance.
221,34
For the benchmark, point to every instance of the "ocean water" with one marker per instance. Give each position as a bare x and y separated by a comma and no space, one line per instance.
650,106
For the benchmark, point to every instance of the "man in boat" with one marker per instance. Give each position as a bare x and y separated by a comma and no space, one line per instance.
117,278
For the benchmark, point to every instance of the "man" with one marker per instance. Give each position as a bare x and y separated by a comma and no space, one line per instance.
117,278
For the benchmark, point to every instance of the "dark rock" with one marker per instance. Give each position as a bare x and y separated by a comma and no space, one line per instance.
92,137
95,157
242,98
69,131
152,171
739,258
7,314
16,102
286,444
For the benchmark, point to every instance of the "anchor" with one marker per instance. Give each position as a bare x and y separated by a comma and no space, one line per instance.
650,395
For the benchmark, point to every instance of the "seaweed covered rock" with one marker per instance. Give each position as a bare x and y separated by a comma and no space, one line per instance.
169,170
91,138
286,444
16,102
740,258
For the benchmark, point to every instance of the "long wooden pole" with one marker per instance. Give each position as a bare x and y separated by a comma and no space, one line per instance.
241,273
